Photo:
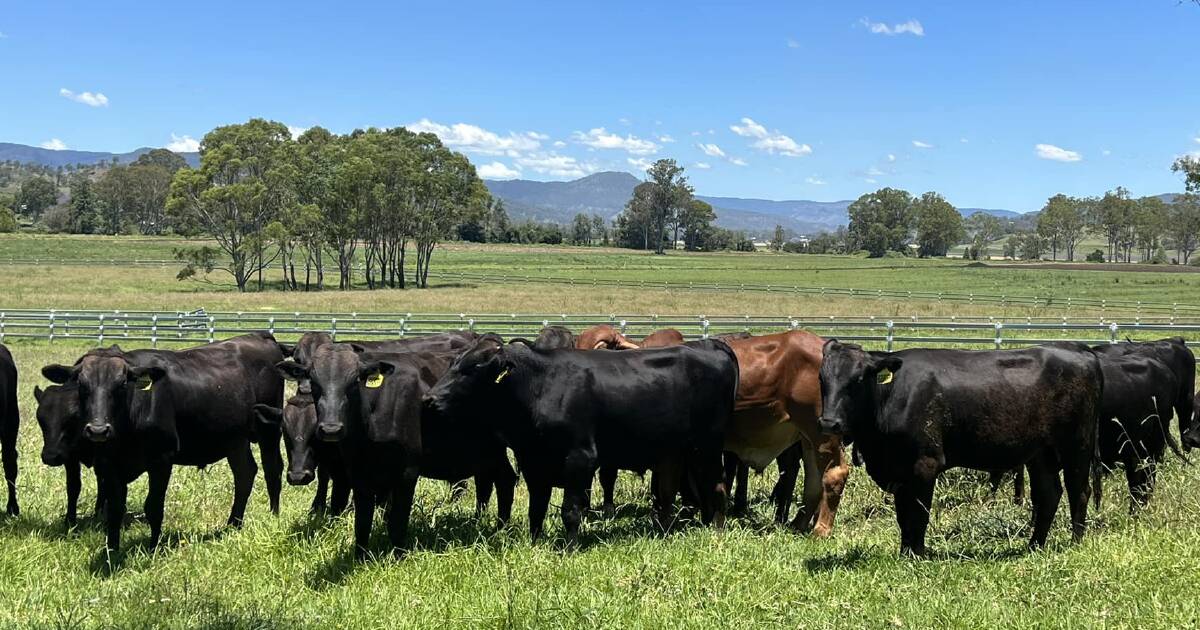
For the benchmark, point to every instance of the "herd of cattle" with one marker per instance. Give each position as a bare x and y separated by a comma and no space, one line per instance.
369,418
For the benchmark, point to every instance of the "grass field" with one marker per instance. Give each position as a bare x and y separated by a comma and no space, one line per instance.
295,571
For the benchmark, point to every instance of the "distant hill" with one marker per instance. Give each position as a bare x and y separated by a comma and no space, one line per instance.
606,193
48,157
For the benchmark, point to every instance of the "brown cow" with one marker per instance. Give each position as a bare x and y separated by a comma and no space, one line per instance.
603,337
778,405
663,338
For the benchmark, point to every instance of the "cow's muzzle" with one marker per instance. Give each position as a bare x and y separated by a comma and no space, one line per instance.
832,425
330,432
52,459
300,478
98,432
1191,440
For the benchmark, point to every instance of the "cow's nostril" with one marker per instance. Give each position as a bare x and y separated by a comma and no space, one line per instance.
301,478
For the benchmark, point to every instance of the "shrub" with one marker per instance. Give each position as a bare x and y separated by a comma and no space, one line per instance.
1095,257
8,221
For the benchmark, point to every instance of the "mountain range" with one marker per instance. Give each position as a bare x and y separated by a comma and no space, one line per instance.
606,193
66,157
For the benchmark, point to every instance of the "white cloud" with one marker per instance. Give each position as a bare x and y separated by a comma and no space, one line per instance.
711,150
695,133
749,129
183,144
560,143
54,144
911,27
497,170
771,142
297,131
475,139
963,140
1058,154
537,136
891,157
870,180
556,165
921,145
702,165
815,181
600,138
1106,152
641,164
737,161
791,43
87,98
665,139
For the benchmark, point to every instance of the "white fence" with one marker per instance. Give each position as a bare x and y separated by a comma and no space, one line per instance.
154,328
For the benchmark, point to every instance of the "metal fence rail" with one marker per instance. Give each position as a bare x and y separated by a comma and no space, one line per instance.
1029,301
195,327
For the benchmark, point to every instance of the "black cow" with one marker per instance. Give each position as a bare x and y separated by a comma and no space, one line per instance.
916,413
369,403
309,457
63,443
148,410
440,342
10,425
554,337
566,413
1178,358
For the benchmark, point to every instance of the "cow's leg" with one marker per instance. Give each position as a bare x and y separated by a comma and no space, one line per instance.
608,483
339,485
8,449
484,483
539,502
318,503
505,480
664,482
156,498
114,508
578,471
1135,474
74,485
806,515
1076,471
1018,485
401,508
741,494
101,495
272,465
831,460
731,465
364,516
785,488
714,493
241,462
914,499
1045,490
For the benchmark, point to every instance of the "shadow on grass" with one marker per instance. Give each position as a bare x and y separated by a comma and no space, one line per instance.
138,554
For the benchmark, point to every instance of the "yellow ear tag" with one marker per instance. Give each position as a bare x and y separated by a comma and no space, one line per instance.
502,375
884,377
144,383
374,381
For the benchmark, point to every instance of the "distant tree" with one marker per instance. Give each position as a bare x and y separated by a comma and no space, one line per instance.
84,205
581,230
778,239
1183,225
1149,225
244,180
472,230
636,222
8,220
1113,219
669,191
163,158
497,222
35,195
1189,166
985,228
939,225
696,217
881,221
1097,256
599,229
1062,223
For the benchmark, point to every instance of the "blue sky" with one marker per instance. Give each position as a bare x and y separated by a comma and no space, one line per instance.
995,104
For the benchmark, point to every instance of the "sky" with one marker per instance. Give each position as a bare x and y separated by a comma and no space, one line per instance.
994,104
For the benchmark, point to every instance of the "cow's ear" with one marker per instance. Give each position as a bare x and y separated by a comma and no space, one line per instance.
57,373
374,373
288,349
889,362
145,377
357,348
267,414
291,370
37,393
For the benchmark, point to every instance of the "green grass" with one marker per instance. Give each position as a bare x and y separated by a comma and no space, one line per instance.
110,287
294,571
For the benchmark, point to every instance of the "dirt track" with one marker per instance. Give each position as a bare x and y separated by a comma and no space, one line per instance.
1133,267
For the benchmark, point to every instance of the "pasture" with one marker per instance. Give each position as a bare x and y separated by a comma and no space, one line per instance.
296,571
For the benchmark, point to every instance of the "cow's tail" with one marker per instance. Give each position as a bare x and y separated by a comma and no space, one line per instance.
1187,389
737,374
1097,465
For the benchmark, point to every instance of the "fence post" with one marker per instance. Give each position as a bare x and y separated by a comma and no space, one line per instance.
704,327
212,325
890,330
154,331
1,325
333,328
51,332
999,328
1113,328
100,337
